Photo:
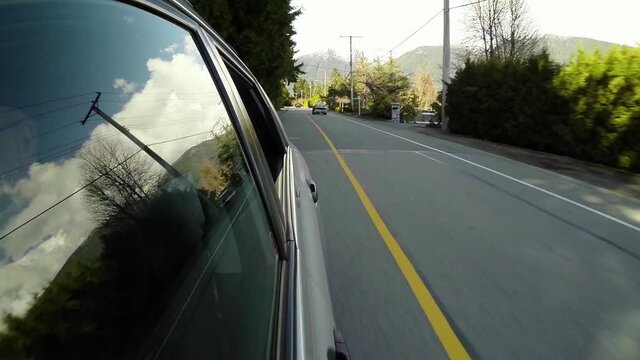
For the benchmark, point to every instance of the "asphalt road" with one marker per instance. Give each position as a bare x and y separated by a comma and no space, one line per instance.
523,263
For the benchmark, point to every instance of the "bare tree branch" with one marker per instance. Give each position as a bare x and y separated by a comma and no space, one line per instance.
502,29
119,189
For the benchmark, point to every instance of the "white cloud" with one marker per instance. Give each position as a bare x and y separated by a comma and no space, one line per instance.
128,19
171,48
180,97
124,86
178,100
23,278
44,185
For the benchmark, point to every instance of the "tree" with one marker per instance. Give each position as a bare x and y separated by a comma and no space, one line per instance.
339,90
385,83
123,183
338,85
604,92
301,88
285,96
502,29
425,88
261,33
362,69
512,102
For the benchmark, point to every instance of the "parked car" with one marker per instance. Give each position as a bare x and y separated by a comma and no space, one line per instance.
320,108
428,117
152,206
298,105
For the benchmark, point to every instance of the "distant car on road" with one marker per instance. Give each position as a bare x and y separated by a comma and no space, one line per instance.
320,108
298,105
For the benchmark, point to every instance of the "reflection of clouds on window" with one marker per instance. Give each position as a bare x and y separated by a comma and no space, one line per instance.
40,249
171,48
128,19
178,100
177,107
23,278
124,86
45,184
190,47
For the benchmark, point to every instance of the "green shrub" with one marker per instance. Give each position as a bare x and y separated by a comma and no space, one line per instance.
589,109
512,102
604,93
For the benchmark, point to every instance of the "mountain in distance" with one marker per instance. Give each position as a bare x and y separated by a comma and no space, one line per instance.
428,58
315,65
561,49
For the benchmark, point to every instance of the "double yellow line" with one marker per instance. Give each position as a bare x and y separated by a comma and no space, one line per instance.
439,323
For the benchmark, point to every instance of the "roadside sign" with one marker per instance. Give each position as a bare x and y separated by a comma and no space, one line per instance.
395,112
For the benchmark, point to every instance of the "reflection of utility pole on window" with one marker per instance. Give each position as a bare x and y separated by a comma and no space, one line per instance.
94,108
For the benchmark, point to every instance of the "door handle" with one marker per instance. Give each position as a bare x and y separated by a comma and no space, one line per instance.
313,188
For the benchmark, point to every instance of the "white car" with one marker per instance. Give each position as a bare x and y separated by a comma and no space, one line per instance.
320,108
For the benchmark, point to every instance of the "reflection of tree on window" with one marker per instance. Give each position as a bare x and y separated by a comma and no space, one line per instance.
108,297
105,302
219,173
215,177
127,186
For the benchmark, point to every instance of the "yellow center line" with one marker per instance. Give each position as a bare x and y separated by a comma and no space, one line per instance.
439,323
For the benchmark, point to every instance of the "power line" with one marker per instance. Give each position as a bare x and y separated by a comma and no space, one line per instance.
415,32
203,95
16,122
68,196
55,129
156,93
180,138
45,102
93,181
161,124
431,19
102,136
465,5
142,101
148,116
97,137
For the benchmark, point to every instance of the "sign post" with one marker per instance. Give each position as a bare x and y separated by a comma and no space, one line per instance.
395,112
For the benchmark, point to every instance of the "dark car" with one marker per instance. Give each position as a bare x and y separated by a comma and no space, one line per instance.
151,206
320,108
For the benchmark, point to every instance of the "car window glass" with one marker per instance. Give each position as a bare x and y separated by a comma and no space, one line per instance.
130,225
261,119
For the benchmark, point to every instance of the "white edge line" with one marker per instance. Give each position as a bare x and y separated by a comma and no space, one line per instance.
428,157
575,203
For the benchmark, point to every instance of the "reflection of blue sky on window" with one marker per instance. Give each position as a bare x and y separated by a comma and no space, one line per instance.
152,81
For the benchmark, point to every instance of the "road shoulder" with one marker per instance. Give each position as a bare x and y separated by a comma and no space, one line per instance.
619,181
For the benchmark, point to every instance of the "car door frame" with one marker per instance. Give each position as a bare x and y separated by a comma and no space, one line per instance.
210,45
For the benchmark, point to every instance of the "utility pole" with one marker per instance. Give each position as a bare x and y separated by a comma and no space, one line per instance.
351,62
325,83
446,65
95,109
